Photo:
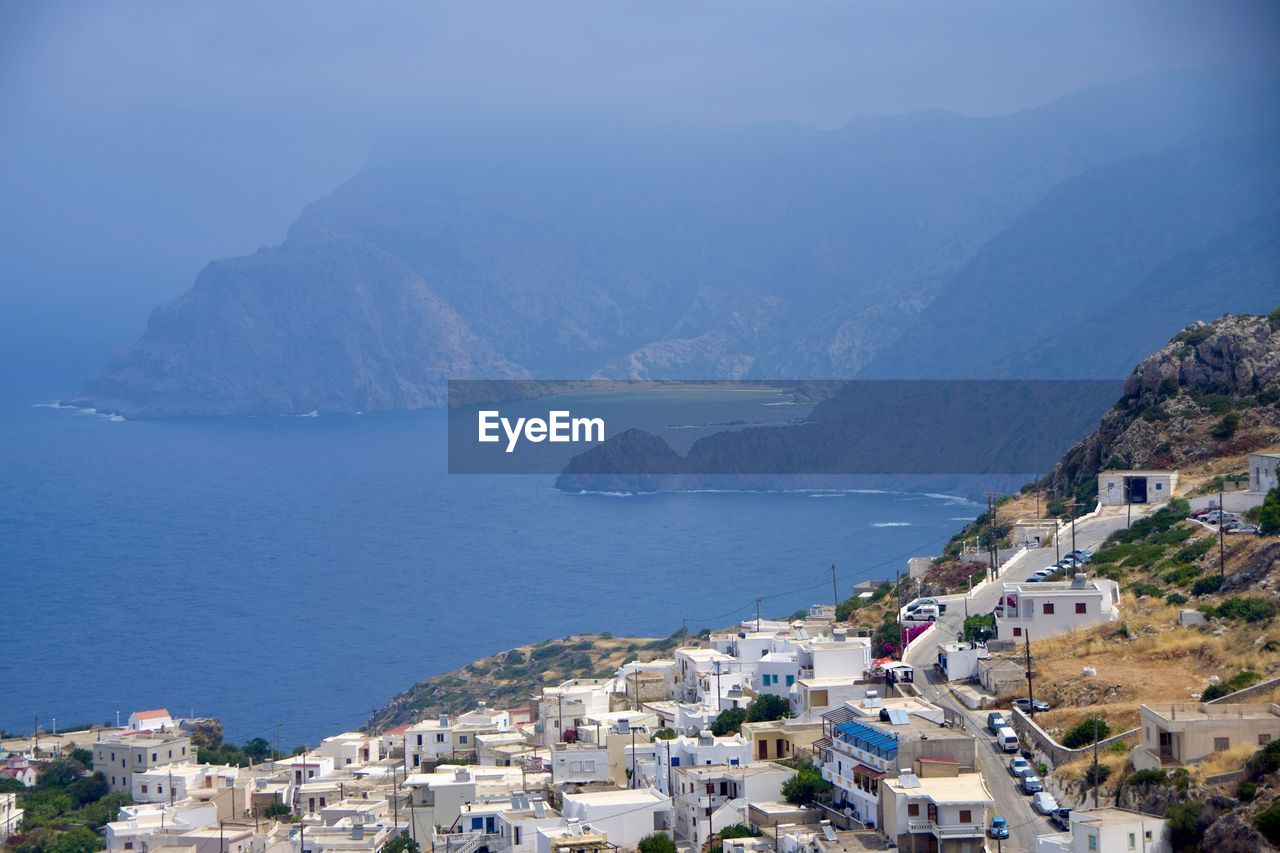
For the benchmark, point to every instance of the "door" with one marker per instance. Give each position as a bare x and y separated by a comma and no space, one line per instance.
1137,489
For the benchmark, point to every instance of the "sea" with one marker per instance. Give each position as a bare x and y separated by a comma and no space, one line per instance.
301,571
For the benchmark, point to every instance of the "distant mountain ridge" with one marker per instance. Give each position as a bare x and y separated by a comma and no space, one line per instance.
764,251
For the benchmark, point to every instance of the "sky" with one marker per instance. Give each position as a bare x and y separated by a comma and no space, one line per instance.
138,141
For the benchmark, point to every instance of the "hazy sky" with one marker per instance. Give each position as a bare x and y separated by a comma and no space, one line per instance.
140,140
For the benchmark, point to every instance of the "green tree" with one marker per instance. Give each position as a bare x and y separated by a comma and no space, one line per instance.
1268,822
402,843
978,627
768,707
728,721
656,843
664,734
257,749
1089,730
739,830
83,757
277,810
79,840
1187,824
60,773
806,786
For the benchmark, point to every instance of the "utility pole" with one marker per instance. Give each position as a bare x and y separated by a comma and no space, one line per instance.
758,615
1031,696
1073,525
1222,536
835,591
1095,761
273,760
35,730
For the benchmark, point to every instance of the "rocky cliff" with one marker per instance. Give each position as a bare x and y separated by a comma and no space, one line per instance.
1210,392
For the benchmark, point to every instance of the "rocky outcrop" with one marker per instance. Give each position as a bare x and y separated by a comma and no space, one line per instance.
1175,401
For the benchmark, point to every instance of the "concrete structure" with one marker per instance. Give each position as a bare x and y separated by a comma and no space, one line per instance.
118,756
711,797
1180,733
567,706
959,661
859,749
780,738
936,813
579,763
427,742
1117,488
171,783
351,749
1264,472
1046,609
1108,831
136,825
150,721
624,816
682,752
10,816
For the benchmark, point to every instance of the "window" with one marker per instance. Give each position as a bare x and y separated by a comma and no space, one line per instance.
155,756
913,810
1264,739
1048,607
1017,632
462,738
966,816
1093,842
128,845
675,761
419,740
159,789
1081,607
1133,841
1221,744
733,762
791,679
440,738
144,789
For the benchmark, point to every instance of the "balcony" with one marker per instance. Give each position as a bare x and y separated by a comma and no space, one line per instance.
950,830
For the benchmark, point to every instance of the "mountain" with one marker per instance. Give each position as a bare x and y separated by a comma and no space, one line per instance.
769,250
1106,267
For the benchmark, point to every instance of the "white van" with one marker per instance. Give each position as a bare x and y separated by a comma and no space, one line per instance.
1007,739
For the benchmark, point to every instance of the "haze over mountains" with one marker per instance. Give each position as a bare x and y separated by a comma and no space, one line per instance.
1062,241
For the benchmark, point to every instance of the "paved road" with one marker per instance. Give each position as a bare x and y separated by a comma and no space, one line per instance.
1024,823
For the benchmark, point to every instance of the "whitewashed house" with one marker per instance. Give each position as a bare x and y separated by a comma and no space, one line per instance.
1046,609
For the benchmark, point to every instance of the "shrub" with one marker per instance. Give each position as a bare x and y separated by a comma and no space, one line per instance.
664,734
1226,425
768,707
1142,588
739,830
1152,776
1177,599
1246,790
1268,822
1239,681
656,843
1207,586
806,786
1183,574
728,721
979,627
1194,551
1103,773
1187,823
1088,731
277,810
1246,608
1265,760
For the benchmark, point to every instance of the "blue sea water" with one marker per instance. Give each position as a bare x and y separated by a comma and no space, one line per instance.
305,570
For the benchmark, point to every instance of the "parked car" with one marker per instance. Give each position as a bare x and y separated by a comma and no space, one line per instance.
1044,573
1007,739
917,603
996,721
1024,704
1061,818
1220,517
1081,554
1019,767
1201,513
1044,803
1034,579
1237,527
999,828
923,613
1031,784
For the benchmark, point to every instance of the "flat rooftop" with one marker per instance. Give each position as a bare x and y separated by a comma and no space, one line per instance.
621,796
1183,711
1111,816
965,788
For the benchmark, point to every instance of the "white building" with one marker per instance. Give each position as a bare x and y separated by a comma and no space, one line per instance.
350,749
10,815
569,704
138,823
625,816
430,741
1118,488
709,798
117,756
1264,472
1046,609
153,720
1108,830
948,814
174,782
959,661
865,743
579,763
683,752
693,665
